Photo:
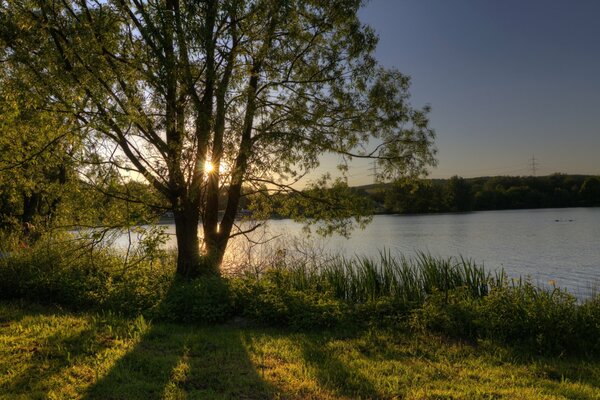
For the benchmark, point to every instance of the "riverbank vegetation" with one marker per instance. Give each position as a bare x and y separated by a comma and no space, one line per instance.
453,297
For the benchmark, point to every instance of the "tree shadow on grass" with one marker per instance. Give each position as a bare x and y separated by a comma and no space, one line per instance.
12,311
182,361
554,370
174,361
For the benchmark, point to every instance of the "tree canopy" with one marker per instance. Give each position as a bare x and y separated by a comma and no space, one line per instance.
256,89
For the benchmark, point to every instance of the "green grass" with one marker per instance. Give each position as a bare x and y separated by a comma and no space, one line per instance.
47,353
407,280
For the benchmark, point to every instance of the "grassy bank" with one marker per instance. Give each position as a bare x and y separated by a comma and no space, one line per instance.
49,353
452,297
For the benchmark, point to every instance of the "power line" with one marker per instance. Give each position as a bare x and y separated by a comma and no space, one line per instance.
533,165
374,169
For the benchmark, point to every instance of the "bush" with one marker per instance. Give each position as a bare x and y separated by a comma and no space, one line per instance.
385,311
541,320
203,300
455,313
75,275
588,326
545,320
269,299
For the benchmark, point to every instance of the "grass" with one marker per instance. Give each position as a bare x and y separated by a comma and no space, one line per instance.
407,280
48,353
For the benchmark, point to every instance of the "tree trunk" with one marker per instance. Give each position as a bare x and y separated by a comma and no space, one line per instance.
189,262
31,207
215,251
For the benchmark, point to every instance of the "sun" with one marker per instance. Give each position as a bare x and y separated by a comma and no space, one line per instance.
208,167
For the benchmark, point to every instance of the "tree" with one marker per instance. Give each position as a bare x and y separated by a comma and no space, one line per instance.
590,191
413,197
200,98
36,168
458,194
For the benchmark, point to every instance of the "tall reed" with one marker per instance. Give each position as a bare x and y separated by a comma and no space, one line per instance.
406,280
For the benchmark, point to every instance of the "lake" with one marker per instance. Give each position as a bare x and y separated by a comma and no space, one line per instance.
561,245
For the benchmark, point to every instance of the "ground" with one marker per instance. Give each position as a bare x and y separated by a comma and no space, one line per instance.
48,353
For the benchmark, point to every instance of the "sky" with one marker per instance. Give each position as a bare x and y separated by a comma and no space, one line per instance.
507,81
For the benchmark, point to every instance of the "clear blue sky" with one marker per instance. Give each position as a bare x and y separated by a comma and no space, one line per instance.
507,80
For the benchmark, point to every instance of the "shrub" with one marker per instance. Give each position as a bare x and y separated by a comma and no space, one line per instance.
74,274
542,319
588,326
270,300
384,311
203,300
455,313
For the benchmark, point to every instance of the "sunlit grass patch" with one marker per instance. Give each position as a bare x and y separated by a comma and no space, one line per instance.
50,354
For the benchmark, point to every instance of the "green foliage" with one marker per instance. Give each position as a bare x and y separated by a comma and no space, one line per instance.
489,193
588,326
590,191
533,319
458,194
260,88
75,274
328,207
360,290
272,300
455,314
37,159
542,319
413,197
408,281
204,300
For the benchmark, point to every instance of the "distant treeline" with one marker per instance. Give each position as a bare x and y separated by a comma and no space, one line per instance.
486,193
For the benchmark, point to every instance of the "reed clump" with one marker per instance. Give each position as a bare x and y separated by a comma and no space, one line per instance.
405,280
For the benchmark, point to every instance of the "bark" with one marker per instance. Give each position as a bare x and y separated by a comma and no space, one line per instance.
31,207
215,251
189,261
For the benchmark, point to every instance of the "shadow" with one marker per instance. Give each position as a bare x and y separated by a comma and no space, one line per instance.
552,369
187,361
12,311
143,371
324,359
176,361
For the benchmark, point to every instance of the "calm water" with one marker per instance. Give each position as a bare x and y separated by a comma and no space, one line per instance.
550,244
